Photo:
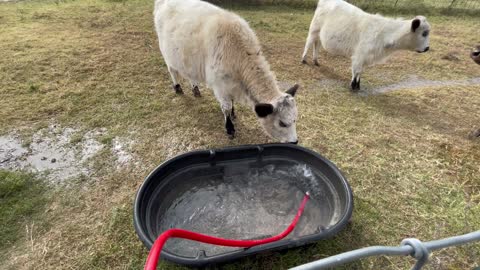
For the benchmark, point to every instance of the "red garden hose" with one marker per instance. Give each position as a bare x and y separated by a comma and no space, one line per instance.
154,254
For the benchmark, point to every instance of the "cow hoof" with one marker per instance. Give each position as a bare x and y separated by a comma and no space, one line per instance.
230,128
196,91
178,89
231,133
474,134
315,62
355,89
355,85
304,61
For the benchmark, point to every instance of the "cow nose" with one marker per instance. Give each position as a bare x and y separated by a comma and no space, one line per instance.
426,49
295,142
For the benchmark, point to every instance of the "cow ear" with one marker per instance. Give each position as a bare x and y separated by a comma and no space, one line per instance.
415,24
293,90
263,109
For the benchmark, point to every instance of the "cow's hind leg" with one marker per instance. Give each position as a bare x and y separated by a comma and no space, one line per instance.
309,43
195,89
313,36
316,48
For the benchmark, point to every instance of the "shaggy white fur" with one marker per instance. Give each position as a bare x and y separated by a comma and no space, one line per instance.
344,29
206,44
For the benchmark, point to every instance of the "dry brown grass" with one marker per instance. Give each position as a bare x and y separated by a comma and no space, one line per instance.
93,64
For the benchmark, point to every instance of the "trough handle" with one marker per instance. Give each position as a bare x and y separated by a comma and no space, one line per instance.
212,157
260,153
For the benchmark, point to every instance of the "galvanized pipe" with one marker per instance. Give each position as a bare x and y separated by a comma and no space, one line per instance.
412,246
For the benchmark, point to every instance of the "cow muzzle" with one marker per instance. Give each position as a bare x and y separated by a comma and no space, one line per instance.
425,50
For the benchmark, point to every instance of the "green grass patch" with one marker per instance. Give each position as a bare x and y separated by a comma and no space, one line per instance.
22,200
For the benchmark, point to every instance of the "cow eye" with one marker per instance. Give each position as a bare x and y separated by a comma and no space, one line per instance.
282,124
425,33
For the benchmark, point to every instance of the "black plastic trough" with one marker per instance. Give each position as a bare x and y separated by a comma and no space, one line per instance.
185,174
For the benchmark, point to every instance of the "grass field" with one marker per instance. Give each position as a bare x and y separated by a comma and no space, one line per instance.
95,64
447,7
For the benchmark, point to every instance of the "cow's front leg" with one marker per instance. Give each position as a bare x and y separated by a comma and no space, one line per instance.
357,68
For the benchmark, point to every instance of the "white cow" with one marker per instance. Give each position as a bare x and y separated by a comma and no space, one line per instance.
206,44
344,29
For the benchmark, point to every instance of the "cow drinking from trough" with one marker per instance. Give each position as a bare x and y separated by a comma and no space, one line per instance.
206,44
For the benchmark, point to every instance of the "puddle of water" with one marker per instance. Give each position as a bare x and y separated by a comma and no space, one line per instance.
412,81
10,149
120,149
416,82
90,145
52,152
